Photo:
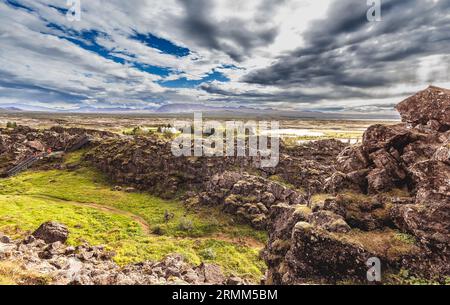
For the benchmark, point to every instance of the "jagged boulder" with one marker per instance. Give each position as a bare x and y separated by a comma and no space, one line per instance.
378,137
443,154
358,211
428,222
52,232
352,158
428,107
329,221
316,254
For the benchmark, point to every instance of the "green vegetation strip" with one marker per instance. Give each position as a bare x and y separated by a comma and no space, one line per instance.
76,198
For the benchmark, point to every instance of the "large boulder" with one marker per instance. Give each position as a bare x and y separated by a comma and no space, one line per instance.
359,211
352,158
432,181
211,274
428,222
318,254
384,137
52,232
430,106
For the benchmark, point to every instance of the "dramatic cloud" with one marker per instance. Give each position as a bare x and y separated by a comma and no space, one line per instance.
285,54
346,52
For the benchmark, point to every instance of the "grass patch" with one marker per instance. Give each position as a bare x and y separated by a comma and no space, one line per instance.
403,277
86,185
385,242
76,198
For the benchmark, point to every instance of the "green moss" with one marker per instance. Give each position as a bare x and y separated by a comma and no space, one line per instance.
74,157
317,198
280,180
407,238
88,186
384,243
404,277
303,211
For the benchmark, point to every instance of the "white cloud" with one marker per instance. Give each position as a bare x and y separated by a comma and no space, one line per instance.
37,67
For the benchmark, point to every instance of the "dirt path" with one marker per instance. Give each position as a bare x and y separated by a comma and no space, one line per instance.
244,241
141,221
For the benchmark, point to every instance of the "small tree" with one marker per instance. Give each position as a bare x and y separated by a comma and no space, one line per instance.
11,125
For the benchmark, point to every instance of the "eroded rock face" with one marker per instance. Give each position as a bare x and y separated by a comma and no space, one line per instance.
432,181
430,107
429,222
19,143
317,254
248,196
148,163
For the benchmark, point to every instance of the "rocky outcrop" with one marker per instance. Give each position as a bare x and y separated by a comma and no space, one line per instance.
396,182
434,106
308,166
148,163
250,197
88,265
21,142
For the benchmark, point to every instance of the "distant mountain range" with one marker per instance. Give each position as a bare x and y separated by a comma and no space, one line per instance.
180,108
10,109
189,108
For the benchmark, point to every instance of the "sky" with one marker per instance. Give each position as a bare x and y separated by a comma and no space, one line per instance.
322,55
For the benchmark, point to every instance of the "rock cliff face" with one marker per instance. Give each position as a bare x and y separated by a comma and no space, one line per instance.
19,143
364,217
248,196
147,163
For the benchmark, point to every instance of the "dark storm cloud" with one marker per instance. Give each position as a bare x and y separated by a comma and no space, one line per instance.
231,36
341,51
293,96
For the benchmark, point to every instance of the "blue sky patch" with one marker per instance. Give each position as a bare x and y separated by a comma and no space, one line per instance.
161,44
59,9
183,82
16,4
88,41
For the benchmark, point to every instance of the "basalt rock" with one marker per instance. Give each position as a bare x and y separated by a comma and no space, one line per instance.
22,142
248,196
51,232
396,182
148,163
428,107
428,222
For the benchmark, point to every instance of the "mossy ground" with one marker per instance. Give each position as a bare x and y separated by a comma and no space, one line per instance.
76,198
387,243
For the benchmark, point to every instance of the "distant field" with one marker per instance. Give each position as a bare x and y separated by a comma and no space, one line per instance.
119,123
